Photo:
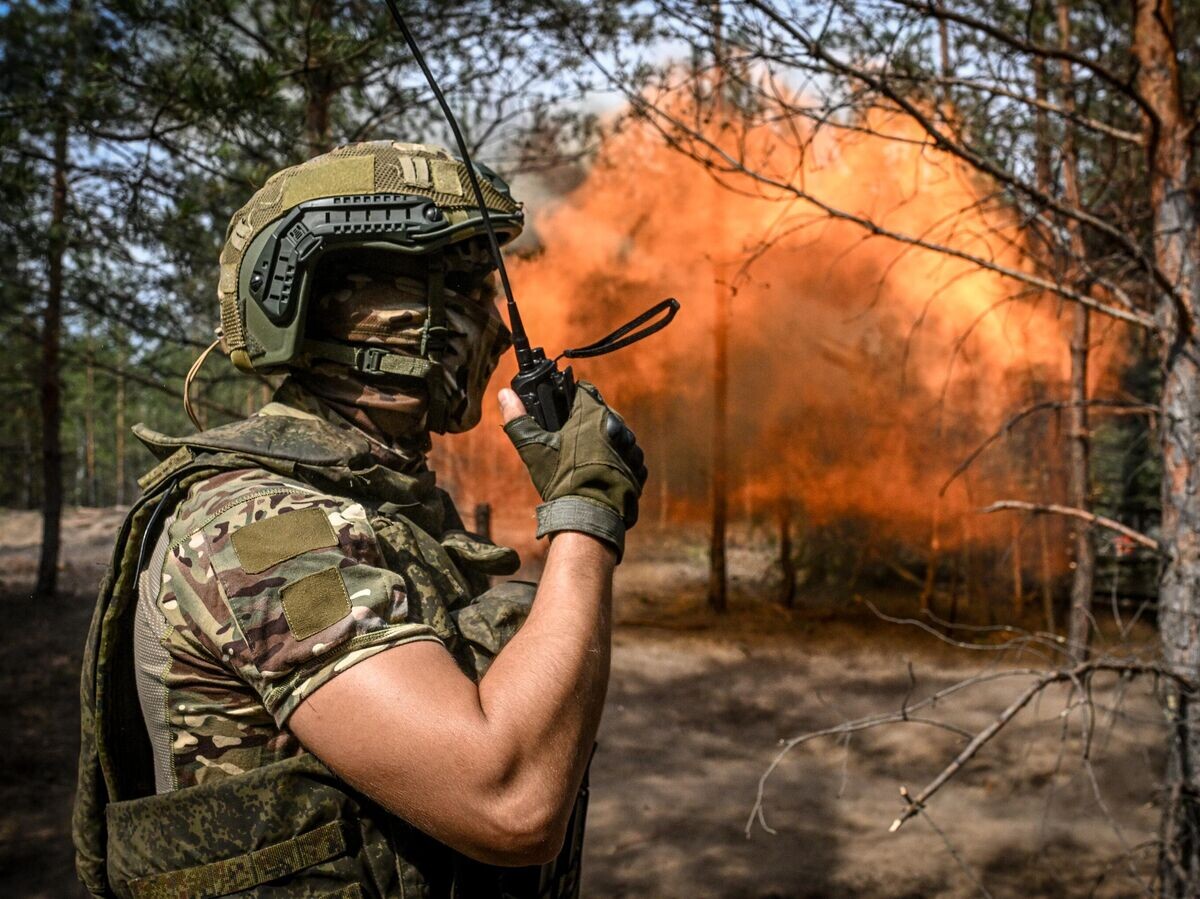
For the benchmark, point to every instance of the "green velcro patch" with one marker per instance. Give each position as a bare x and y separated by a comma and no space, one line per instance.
315,602
331,177
263,544
445,177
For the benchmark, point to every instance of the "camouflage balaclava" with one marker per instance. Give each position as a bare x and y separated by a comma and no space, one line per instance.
381,300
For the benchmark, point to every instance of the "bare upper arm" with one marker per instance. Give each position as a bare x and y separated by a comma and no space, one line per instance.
406,728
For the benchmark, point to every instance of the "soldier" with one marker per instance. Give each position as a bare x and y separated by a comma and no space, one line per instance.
298,682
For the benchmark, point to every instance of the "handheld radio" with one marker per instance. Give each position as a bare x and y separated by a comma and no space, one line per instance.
547,392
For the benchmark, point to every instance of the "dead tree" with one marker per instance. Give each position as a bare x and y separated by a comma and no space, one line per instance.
1079,622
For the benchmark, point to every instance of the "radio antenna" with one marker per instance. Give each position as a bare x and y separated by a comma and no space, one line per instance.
548,394
516,326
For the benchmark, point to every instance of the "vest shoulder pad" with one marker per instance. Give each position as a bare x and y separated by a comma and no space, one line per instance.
282,437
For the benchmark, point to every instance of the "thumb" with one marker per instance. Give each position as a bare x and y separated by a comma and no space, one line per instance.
510,405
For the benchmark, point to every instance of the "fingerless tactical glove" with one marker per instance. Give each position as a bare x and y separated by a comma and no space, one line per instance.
589,474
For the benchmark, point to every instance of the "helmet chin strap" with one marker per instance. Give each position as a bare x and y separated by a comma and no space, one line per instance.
371,362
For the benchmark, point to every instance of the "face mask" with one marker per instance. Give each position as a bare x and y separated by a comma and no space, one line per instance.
389,310
478,338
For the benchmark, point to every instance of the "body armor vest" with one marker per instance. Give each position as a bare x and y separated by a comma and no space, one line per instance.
290,828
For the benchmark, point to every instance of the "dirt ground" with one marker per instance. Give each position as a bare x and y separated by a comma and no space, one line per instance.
696,712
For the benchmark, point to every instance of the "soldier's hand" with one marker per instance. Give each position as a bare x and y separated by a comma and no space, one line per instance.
590,474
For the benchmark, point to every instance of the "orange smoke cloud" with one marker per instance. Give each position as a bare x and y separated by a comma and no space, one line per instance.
862,370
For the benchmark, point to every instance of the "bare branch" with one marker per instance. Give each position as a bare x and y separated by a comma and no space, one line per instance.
1099,520
981,739
656,116
1130,137
1044,51
1043,678
904,714
1075,675
878,81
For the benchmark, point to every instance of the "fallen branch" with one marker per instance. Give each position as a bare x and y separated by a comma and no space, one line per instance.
1130,668
904,715
916,805
1043,678
1082,514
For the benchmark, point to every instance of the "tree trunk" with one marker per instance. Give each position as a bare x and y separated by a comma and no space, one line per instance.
27,454
1047,575
787,564
969,579
1079,624
931,565
318,81
119,424
718,599
1041,127
51,386
89,427
957,580
1017,574
79,493
664,495
1044,177
1177,252
944,96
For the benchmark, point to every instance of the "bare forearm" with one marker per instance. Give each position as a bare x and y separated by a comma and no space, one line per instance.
491,768
544,693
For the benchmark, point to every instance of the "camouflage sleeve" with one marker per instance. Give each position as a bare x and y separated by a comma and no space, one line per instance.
286,587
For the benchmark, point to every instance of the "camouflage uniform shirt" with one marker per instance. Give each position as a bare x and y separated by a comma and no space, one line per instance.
268,590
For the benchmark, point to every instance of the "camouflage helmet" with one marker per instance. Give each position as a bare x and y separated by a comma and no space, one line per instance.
379,195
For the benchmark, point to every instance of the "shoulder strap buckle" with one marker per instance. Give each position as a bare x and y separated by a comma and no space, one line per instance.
369,360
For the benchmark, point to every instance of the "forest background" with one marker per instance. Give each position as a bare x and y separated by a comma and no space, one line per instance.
936,259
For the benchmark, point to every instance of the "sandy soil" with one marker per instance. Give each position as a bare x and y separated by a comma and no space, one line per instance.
696,710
